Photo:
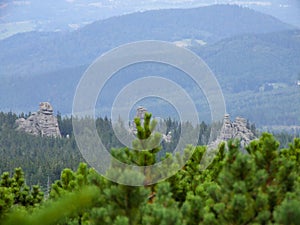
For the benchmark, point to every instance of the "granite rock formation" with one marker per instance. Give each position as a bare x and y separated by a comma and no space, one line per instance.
234,130
42,123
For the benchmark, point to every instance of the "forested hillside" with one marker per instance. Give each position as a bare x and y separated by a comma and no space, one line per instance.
43,158
89,158
33,65
260,186
266,58
39,52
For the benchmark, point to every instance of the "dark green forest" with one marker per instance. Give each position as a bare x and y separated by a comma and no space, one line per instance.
43,158
45,180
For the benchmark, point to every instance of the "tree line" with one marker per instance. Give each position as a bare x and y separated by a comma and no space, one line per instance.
261,186
43,158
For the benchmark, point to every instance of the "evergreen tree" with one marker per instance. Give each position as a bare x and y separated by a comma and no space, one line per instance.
260,186
14,192
164,210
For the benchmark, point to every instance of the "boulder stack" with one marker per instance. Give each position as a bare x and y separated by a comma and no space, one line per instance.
234,130
42,123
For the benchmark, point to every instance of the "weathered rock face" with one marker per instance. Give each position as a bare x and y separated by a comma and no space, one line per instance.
42,123
234,130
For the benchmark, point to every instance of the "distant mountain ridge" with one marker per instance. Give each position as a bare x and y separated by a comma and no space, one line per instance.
34,53
255,58
47,15
257,74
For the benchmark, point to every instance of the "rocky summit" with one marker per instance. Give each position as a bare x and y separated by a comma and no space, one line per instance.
234,130
42,123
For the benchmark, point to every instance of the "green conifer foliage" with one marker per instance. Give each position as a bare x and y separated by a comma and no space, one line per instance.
119,202
6,200
260,186
288,213
164,210
143,153
14,191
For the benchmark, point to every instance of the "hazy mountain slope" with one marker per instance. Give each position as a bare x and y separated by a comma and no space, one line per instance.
22,94
249,62
34,53
48,15
257,73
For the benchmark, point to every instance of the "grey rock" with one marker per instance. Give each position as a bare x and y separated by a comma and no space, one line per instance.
234,130
46,108
42,123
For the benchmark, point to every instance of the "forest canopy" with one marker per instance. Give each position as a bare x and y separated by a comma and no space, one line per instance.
259,186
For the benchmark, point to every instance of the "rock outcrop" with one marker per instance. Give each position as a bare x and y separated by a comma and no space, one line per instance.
140,113
42,123
234,130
